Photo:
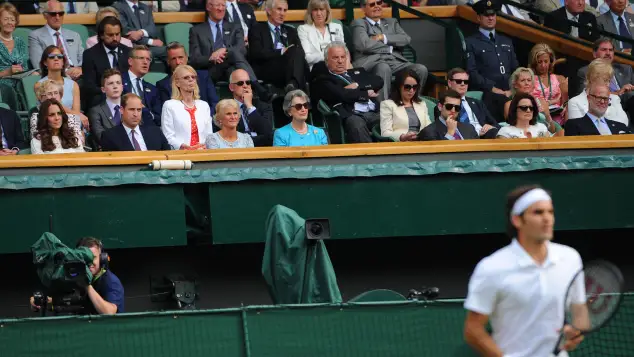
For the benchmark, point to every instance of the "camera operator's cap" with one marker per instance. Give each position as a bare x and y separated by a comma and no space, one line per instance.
487,7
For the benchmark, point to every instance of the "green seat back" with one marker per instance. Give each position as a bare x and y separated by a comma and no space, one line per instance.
378,295
28,93
81,30
475,94
23,33
178,32
25,152
431,104
5,106
153,77
333,124
376,134
410,54
9,96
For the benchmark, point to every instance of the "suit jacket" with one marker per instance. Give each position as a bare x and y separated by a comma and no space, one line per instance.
260,122
248,15
438,130
394,119
100,118
606,23
330,88
151,100
131,23
483,61
95,63
310,38
623,74
206,88
261,49
585,126
481,112
116,139
367,52
12,129
40,39
201,43
588,28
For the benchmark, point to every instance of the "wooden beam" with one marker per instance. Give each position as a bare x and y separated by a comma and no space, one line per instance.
82,159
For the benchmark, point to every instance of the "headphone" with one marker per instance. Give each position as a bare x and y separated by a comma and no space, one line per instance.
104,258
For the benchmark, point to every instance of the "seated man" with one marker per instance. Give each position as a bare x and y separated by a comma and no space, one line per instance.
275,52
138,26
447,126
378,46
351,93
594,122
573,12
139,61
129,136
473,111
105,293
107,115
618,21
11,136
176,56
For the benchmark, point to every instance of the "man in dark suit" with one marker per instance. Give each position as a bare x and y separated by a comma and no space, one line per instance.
177,56
594,122
218,46
256,116
573,12
11,136
446,126
242,14
139,61
352,93
139,27
130,136
275,51
473,111
107,114
108,53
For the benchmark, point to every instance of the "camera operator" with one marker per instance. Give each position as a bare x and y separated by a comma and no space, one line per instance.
105,292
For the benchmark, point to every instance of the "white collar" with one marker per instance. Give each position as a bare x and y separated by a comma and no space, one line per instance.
570,15
133,77
372,22
111,104
137,130
51,31
131,4
525,260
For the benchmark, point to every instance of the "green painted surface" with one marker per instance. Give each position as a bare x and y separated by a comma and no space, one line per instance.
125,217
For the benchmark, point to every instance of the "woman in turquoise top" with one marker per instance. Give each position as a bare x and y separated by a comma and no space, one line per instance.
298,133
14,51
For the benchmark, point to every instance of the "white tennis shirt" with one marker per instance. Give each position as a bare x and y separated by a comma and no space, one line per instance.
524,300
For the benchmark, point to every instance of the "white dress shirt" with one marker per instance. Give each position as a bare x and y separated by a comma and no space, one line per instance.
141,12
574,18
111,104
137,135
61,38
176,122
133,83
110,56
472,118
230,5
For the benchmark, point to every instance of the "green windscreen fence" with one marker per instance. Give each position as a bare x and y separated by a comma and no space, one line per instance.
346,330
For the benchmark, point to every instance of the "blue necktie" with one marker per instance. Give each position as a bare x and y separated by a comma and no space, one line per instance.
117,115
244,118
464,117
71,7
624,32
218,41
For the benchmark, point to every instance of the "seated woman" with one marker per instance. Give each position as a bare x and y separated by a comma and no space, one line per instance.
523,81
14,51
51,90
551,88
54,135
404,115
318,31
298,132
101,14
522,119
186,120
228,118
599,71
53,65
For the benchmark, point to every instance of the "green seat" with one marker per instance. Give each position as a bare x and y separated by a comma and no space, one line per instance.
5,106
23,33
81,30
475,94
333,123
28,93
376,134
9,96
431,104
379,295
24,152
410,54
153,77
178,32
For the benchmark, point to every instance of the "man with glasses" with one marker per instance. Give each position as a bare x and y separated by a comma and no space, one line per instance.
473,111
594,122
139,62
447,126
256,116
52,34
378,45
176,56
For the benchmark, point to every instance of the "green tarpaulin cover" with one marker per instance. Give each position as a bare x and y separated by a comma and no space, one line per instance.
50,255
296,270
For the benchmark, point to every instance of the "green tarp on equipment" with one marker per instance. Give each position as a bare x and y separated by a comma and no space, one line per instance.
296,270
50,255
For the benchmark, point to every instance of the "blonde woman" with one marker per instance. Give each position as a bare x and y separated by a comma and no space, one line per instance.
318,31
100,15
551,88
186,120
228,118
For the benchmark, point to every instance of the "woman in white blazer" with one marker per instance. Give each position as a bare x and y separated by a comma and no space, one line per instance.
318,31
186,120
404,115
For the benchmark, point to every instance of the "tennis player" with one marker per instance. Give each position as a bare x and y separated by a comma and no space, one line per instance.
521,288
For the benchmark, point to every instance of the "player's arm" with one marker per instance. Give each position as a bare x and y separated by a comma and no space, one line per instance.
581,317
476,335
102,306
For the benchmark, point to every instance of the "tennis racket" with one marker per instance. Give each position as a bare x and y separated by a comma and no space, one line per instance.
592,299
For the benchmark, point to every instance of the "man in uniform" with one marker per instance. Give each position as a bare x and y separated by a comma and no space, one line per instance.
490,59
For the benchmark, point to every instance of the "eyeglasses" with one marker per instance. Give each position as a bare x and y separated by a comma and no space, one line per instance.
600,99
455,107
377,3
525,108
299,106
190,77
461,81
58,56
409,87
56,13
241,83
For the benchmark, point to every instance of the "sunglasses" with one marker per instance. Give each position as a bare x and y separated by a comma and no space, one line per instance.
461,81
56,56
409,87
377,3
455,107
241,83
299,106
525,108
56,13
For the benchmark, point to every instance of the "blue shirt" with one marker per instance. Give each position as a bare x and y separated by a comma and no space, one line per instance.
600,121
213,24
287,136
447,136
109,287
615,19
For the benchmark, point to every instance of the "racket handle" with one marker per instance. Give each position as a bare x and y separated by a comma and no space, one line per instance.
558,346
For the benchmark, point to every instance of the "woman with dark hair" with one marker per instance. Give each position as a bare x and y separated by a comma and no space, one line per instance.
54,135
404,115
53,65
522,119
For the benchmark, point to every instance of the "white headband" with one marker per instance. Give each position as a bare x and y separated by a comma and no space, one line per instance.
527,199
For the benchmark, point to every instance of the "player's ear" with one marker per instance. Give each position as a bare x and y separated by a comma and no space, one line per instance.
517,221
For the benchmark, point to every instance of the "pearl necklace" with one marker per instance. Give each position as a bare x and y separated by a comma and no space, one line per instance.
6,39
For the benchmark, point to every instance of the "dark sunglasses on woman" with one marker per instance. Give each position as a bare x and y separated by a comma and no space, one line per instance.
299,106
410,86
525,108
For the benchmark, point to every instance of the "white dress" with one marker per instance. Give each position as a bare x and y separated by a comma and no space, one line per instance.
538,130
36,147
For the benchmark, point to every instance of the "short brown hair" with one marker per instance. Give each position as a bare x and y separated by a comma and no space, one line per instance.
454,71
8,7
109,73
511,198
137,48
175,45
90,242
126,98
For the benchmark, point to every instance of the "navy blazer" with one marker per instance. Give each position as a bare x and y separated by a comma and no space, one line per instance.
151,100
585,126
11,129
205,86
116,139
438,130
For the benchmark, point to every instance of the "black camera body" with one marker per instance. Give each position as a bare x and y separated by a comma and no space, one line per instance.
68,295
